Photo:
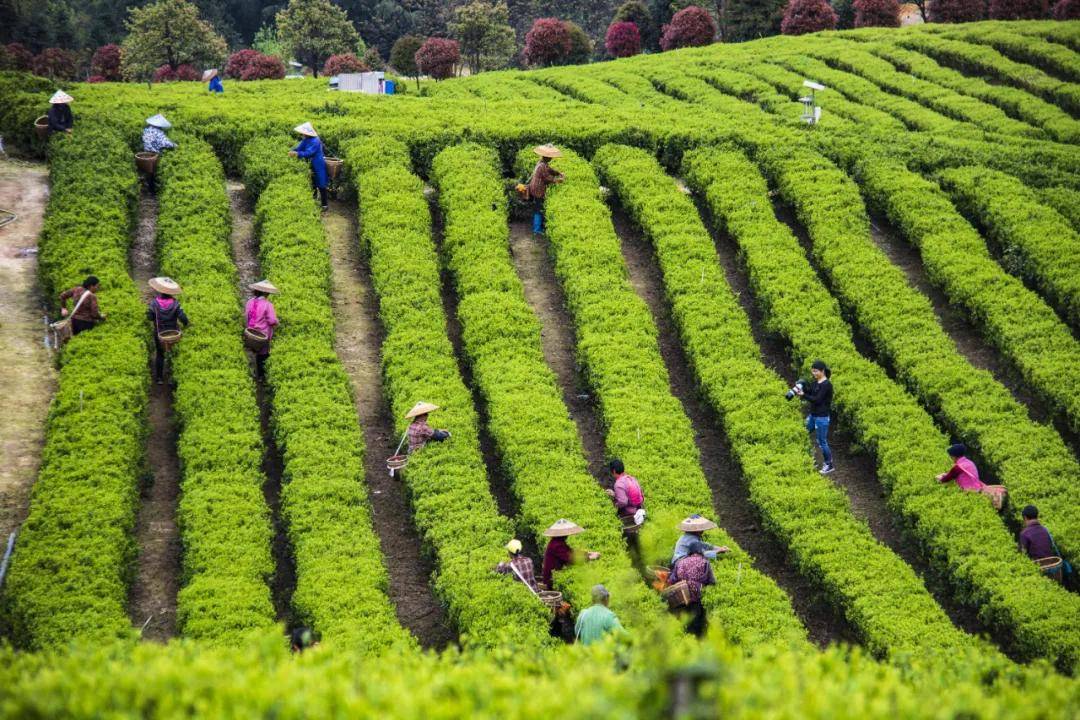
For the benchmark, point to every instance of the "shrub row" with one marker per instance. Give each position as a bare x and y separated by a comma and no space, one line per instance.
1049,57
223,518
1036,242
69,575
948,102
452,502
958,531
341,580
533,433
880,595
980,59
646,426
1066,201
1017,103
1030,458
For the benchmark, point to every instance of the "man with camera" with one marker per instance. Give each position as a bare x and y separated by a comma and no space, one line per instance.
819,394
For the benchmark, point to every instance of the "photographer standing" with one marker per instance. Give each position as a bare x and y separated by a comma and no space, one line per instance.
819,394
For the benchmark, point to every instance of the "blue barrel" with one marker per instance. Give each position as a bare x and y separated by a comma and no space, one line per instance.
389,86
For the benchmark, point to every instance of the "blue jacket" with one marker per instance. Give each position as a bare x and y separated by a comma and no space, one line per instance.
310,148
215,85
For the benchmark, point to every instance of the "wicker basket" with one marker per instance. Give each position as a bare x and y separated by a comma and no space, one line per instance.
333,167
169,338
256,341
146,162
551,598
396,462
41,127
628,525
677,595
997,495
1052,566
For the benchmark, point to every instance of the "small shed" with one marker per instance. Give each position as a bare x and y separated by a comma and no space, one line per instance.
372,83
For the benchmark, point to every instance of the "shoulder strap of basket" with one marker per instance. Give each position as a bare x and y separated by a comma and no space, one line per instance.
522,579
79,302
1053,545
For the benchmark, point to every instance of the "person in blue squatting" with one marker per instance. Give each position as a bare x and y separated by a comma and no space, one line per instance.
215,85
311,149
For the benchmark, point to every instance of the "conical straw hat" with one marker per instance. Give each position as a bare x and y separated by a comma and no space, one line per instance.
563,528
159,121
696,523
60,97
548,151
165,285
306,129
264,286
208,74
421,408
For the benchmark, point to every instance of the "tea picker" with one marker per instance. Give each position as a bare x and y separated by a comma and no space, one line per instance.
212,77
165,313
59,117
542,176
155,141
260,321
311,149
418,434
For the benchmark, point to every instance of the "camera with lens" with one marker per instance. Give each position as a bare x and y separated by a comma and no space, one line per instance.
799,386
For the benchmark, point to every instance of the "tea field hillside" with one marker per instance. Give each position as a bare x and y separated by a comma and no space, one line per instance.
707,245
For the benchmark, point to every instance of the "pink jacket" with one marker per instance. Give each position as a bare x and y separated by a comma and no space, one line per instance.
965,474
261,316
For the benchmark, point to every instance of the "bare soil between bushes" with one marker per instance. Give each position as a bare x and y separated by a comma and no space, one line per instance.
358,339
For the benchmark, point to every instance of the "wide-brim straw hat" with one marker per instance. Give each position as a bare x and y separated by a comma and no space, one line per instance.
421,408
563,528
165,285
306,129
209,74
548,151
264,286
60,98
696,523
159,121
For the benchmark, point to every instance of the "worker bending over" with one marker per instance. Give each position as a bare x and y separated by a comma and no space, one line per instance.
558,553
86,313
215,85
542,176
419,432
626,492
60,117
311,149
693,528
520,566
597,620
696,570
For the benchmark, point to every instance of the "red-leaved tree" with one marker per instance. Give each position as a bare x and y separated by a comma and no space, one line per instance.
344,63
1019,9
877,13
547,42
96,79
106,63
807,16
56,63
238,62
254,65
956,11
623,39
19,57
438,57
182,72
692,26
1067,10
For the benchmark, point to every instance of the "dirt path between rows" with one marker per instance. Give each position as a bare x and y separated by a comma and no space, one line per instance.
152,598
855,471
245,249
358,338
27,374
545,298
731,498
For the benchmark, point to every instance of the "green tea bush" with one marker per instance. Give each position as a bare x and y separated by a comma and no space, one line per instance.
341,580
223,518
452,503
69,575
953,528
536,440
1052,58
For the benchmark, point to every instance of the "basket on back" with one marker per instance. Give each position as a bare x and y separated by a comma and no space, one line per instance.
256,341
41,127
333,167
146,162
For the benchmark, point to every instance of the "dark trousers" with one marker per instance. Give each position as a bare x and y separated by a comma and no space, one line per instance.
319,192
77,326
159,361
696,626
260,366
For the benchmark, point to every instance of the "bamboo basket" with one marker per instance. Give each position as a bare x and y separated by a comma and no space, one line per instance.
333,167
256,341
146,162
997,495
677,595
169,338
1052,566
551,598
41,127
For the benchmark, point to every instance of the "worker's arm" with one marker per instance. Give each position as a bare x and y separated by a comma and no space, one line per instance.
271,316
439,435
952,474
306,150
182,316
621,499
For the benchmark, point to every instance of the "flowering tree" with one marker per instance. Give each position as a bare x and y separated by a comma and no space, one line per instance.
690,27
877,13
1067,10
956,11
807,16
547,42
1019,9
344,63
438,57
56,63
623,39
106,63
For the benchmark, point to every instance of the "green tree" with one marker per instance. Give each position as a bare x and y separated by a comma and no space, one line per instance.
741,20
637,12
581,47
483,30
168,32
313,30
268,43
403,56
